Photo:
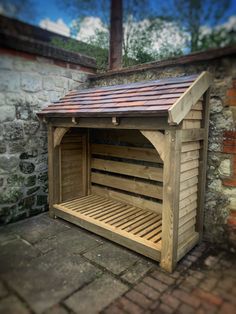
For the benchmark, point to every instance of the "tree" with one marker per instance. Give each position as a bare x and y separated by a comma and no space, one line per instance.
193,14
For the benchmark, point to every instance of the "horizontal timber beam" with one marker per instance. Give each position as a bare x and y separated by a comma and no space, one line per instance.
147,123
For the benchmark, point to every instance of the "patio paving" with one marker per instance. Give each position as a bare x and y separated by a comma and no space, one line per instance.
52,267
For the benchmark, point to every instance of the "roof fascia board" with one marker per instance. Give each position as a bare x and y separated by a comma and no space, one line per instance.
183,105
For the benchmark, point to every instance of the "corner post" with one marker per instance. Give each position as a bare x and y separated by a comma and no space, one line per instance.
53,171
203,164
171,188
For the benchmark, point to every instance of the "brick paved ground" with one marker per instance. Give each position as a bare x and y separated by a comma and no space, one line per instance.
51,267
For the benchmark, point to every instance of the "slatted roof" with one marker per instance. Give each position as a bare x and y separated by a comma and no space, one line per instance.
150,98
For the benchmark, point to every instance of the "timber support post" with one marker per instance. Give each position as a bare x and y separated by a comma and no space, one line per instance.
171,187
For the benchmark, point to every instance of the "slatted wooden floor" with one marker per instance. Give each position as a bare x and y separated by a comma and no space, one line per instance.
136,228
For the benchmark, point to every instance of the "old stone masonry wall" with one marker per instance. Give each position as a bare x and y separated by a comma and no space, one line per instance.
220,202
26,85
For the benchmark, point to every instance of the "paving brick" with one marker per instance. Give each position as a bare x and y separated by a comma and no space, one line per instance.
137,271
147,291
3,290
186,309
208,284
170,301
166,309
12,305
208,296
163,277
209,307
228,308
187,298
56,309
154,306
128,306
138,298
96,296
113,309
156,284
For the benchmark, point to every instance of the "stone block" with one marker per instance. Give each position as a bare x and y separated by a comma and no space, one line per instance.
225,167
8,113
8,163
33,190
3,147
30,181
16,146
94,297
26,167
31,82
42,200
2,99
112,257
9,81
6,63
13,130
12,305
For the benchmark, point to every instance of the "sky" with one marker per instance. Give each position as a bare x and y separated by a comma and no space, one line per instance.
51,15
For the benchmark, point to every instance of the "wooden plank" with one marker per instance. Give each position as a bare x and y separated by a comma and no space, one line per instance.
140,171
191,124
189,174
188,245
188,192
192,135
188,146
183,105
187,225
145,154
129,185
190,155
50,170
187,209
186,235
194,115
203,165
185,202
129,199
170,213
187,217
188,183
188,165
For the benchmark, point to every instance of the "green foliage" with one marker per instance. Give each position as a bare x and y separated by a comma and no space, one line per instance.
100,54
193,14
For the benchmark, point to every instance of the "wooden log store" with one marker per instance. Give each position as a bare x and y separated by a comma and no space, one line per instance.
128,162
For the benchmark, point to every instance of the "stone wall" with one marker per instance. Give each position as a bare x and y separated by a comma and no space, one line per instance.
27,83
220,203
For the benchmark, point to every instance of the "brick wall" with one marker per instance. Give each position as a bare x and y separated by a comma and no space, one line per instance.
27,83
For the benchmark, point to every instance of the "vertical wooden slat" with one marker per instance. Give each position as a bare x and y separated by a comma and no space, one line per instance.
170,214
53,171
203,165
88,163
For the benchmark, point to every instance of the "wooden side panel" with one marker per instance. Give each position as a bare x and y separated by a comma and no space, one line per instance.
190,178
126,167
73,162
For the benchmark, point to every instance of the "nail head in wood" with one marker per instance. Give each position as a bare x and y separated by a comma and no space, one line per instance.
115,121
74,120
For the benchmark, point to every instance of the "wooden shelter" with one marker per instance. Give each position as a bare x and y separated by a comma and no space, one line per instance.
128,162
